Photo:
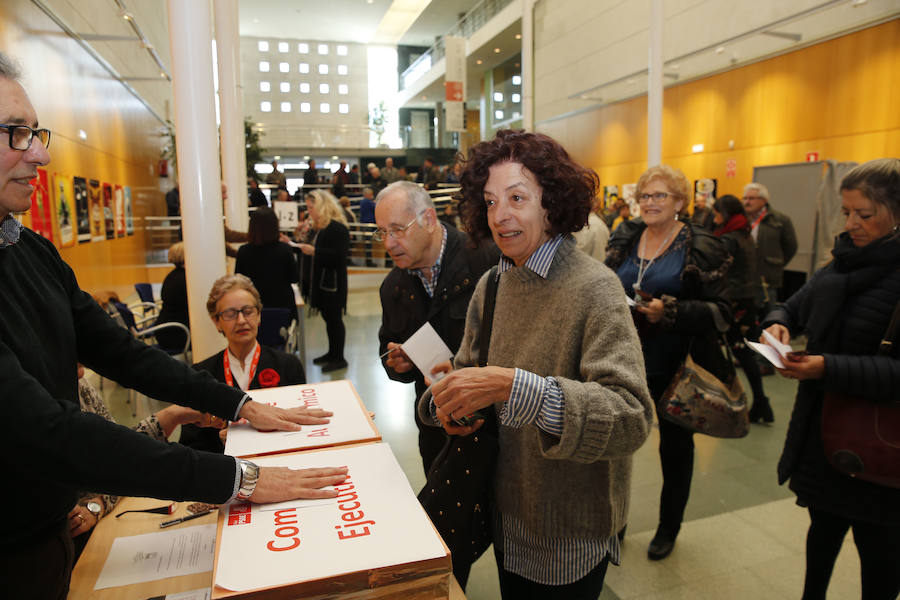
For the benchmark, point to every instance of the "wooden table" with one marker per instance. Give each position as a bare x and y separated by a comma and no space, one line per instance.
85,574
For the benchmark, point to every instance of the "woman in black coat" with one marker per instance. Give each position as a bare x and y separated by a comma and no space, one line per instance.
174,303
733,229
328,288
268,263
844,310
675,272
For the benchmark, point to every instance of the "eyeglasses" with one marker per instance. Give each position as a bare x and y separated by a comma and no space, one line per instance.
657,196
745,198
21,136
395,232
230,314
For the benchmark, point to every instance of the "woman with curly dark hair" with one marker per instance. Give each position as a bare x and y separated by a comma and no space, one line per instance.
675,271
565,376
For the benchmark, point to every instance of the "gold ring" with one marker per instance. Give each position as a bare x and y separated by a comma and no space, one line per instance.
80,516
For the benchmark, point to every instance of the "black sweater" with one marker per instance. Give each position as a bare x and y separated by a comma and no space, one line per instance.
47,325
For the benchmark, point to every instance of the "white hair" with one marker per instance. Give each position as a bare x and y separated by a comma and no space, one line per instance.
758,188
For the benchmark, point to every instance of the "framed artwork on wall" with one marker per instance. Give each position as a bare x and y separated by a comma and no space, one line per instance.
64,205
98,225
109,218
129,213
119,197
42,206
82,209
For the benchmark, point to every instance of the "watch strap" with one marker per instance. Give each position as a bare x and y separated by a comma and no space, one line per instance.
249,479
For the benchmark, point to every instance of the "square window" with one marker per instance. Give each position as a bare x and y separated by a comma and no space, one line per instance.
323,69
343,89
282,46
303,67
343,70
263,46
324,107
324,88
263,66
343,108
265,106
517,80
305,107
304,88
323,49
303,48
342,50
498,115
285,107
285,87
284,67
498,96
516,98
265,86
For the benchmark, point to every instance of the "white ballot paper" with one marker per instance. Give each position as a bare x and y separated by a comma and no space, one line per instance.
425,349
774,355
374,522
350,422
152,556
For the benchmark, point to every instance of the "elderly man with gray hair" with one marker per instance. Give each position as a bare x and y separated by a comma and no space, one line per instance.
435,272
776,241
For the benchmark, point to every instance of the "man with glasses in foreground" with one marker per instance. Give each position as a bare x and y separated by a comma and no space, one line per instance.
435,272
53,449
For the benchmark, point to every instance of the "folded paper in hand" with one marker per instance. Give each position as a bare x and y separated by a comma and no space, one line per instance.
425,349
774,351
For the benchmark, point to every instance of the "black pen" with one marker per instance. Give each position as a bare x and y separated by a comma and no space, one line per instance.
183,519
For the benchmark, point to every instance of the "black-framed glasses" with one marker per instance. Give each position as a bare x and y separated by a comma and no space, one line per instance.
21,136
379,235
657,196
230,314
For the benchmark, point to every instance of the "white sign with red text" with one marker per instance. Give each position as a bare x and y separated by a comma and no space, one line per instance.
374,522
349,424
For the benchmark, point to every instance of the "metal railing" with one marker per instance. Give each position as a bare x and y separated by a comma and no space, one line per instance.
473,20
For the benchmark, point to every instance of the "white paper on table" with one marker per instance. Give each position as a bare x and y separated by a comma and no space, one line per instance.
376,511
425,349
152,556
201,594
349,423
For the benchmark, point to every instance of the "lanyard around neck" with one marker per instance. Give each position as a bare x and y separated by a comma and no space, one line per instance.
253,364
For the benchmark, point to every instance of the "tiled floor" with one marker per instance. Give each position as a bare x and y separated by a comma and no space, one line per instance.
743,536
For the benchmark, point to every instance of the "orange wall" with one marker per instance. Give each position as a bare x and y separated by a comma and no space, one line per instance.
70,91
839,98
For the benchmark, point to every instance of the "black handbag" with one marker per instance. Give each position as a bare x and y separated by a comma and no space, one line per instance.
457,492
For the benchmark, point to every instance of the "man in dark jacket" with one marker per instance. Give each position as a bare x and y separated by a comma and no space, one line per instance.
435,273
776,241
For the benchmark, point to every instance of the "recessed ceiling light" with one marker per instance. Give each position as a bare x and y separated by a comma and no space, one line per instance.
479,61
518,36
496,50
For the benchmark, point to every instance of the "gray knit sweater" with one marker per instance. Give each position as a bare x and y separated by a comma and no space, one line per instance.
576,327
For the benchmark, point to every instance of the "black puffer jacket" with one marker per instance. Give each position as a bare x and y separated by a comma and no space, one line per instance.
844,309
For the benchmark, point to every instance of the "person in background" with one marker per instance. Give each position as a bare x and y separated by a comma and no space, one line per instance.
389,173
455,172
593,238
268,263
310,178
174,303
367,215
328,287
340,179
733,229
434,275
256,196
48,325
429,174
348,212
776,242
844,310
675,273
702,215
234,306
565,372
276,177
624,212
354,174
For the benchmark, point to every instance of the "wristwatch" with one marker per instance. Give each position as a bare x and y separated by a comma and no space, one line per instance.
249,478
95,508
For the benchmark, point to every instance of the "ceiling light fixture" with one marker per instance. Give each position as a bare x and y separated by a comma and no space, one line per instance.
518,36
496,50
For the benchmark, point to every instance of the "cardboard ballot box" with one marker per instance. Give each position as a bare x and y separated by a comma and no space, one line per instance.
373,540
350,423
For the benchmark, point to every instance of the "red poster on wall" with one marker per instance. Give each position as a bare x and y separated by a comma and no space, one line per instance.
42,206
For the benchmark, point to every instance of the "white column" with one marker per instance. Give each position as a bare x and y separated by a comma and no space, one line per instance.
655,85
231,112
528,64
190,41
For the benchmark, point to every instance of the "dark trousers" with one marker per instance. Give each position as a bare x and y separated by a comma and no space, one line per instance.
334,327
39,570
676,455
879,555
516,587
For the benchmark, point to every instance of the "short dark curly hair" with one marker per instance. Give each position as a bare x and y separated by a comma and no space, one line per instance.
568,188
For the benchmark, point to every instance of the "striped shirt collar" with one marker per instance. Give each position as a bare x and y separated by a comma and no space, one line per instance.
431,283
540,259
10,230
